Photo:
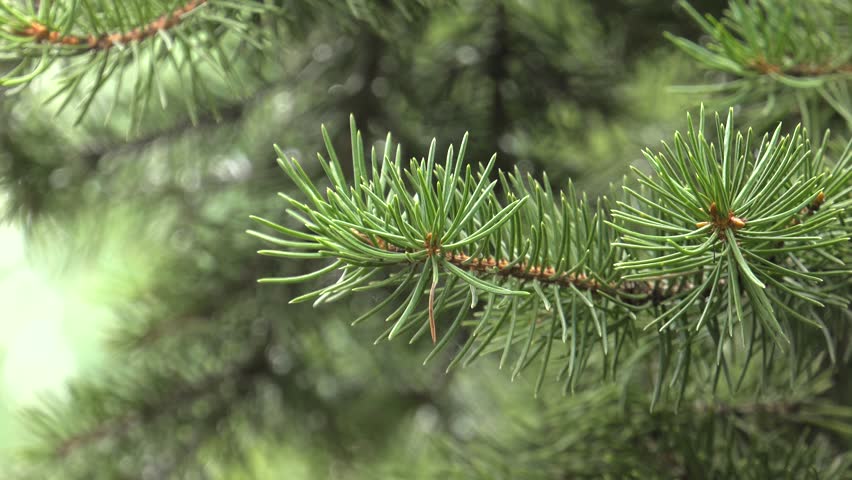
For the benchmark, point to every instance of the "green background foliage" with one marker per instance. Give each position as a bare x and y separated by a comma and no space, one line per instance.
135,341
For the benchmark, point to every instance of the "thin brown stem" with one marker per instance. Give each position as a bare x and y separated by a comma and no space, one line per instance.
42,33
760,65
627,291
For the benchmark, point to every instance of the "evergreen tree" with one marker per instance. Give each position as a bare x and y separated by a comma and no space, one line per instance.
669,310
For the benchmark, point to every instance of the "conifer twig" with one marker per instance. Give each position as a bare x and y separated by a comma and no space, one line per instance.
696,244
42,33
760,65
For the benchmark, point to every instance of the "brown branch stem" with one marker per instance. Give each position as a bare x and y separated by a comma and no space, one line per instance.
523,271
42,33
760,65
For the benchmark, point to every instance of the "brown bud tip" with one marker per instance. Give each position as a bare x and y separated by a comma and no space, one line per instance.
820,198
713,209
737,222
38,28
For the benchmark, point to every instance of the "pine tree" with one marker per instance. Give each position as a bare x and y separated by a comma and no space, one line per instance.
689,319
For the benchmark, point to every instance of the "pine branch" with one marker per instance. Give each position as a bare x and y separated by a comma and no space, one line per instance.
773,38
760,65
203,42
42,33
770,49
722,235
207,44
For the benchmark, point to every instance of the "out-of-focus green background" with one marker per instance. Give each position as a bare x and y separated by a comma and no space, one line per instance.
50,329
110,231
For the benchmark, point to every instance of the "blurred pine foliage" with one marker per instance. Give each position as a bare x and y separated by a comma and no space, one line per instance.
132,162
